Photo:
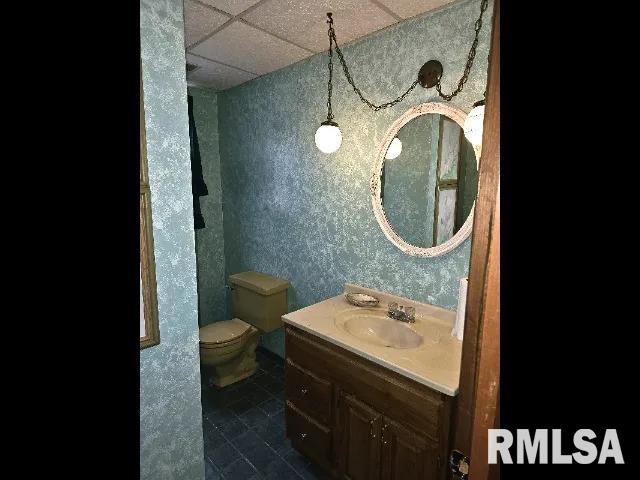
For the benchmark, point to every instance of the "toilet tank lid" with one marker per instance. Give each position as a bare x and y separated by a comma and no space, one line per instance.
259,282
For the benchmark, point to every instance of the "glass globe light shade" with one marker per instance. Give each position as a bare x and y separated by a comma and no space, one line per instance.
328,137
473,125
394,150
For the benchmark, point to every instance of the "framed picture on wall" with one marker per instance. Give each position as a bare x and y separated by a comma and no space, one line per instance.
149,327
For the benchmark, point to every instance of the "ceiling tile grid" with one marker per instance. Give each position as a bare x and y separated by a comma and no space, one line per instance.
215,75
411,8
234,41
200,21
304,21
250,49
234,7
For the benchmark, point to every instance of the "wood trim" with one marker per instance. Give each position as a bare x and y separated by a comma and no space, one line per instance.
448,184
148,274
486,401
147,256
488,364
479,378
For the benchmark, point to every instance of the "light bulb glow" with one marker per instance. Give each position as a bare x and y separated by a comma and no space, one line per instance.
473,125
394,150
328,138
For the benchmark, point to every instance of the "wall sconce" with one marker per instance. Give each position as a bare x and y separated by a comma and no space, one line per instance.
328,137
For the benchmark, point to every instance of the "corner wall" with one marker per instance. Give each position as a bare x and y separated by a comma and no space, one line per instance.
212,302
171,446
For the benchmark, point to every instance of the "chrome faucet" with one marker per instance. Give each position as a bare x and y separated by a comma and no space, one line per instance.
401,313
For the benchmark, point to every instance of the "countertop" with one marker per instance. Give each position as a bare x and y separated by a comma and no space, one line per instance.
435,363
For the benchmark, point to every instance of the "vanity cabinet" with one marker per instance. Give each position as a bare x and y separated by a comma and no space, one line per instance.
308,436
359,428
407,455
359,420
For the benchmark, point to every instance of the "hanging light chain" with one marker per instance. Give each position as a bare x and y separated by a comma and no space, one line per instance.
334,42
372,106
470,58
330,85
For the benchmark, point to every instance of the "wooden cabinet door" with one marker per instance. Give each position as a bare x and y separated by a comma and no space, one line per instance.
407,455
359,444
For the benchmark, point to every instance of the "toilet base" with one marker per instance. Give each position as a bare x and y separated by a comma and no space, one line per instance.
242,366
224,375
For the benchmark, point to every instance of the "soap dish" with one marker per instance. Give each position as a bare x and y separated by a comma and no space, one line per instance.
361,300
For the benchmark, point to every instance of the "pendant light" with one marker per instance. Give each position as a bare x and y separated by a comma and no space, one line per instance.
328,136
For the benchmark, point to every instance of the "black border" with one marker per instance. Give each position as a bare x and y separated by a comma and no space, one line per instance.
86,225
567,352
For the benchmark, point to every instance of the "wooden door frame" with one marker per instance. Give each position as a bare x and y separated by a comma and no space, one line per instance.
147,255
477,402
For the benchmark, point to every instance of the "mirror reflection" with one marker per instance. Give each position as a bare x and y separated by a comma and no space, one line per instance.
429,180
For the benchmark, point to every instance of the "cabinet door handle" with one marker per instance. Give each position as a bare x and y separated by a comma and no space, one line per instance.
384,440
303,436
304,390
373,435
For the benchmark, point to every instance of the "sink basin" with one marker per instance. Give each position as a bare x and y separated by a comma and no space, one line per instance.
373,326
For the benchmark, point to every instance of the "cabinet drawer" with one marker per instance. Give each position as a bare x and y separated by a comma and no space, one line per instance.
308,392
308,436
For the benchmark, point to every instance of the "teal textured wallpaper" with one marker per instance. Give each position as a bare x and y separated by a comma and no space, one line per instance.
171,446
294,212
212,304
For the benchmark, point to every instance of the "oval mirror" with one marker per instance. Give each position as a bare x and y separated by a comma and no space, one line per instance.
425,181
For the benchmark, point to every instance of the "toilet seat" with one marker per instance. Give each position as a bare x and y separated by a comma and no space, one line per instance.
223,334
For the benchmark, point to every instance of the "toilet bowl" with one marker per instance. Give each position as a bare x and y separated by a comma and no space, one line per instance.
228,347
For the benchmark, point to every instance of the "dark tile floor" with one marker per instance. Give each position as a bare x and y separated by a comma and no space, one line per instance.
244,428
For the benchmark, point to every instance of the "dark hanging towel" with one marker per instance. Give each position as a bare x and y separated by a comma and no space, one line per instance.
198,187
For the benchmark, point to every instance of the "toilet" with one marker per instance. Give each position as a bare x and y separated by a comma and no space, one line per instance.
228,347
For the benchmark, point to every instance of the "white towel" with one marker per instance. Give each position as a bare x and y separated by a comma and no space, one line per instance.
458,327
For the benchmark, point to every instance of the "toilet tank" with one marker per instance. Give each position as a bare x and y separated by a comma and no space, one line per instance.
259,299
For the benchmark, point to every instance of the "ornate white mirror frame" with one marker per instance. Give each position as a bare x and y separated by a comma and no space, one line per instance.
459,117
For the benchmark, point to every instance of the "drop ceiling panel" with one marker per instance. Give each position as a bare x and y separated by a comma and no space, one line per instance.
248,48
411,8
200,21
255,37
303,22
215,75
233,7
